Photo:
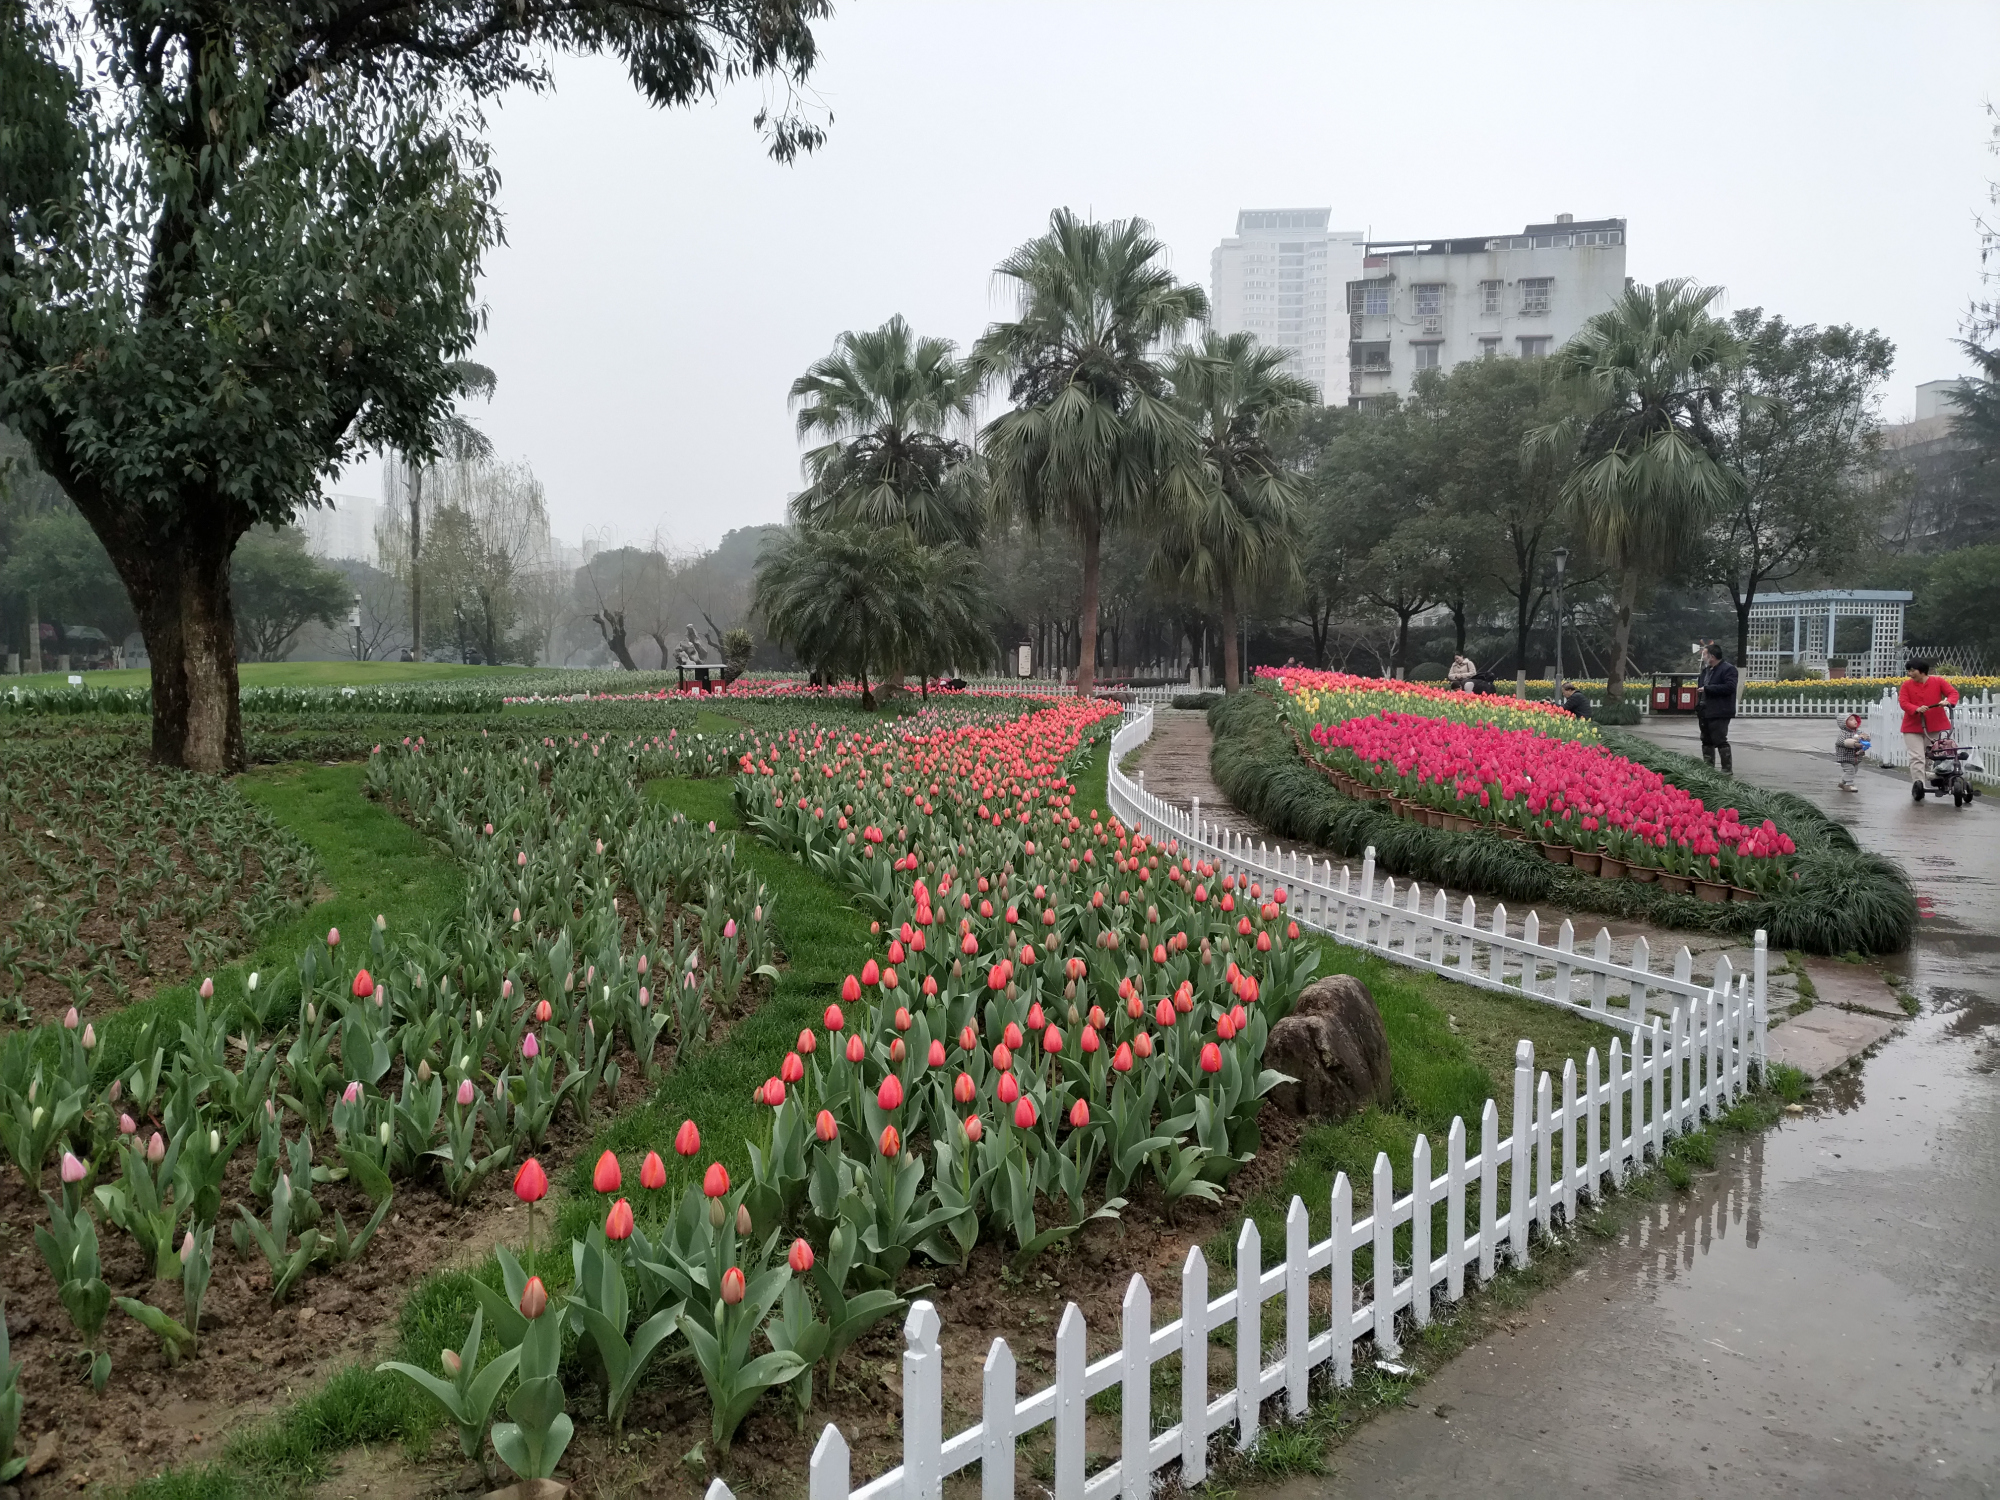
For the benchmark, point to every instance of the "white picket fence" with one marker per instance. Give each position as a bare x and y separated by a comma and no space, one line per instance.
1975,725
1802,706
1565,1143
1406,929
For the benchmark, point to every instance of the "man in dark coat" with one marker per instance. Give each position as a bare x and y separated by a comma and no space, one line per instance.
1715,706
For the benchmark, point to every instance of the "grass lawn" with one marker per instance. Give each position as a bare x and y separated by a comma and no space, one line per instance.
296,674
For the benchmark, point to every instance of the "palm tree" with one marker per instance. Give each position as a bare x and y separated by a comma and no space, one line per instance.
1237,520
459,441
889,405
1092,435
1646,477
838,597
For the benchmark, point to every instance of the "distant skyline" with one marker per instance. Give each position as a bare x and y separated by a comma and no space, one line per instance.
663,281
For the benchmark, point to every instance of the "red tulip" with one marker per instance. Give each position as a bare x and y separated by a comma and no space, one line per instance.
974,1128
364,985
890,1094
606,1178
963,1089
652,1172
1211,1058
715,1182
808,1042
531,1183
534,1299
855,1050
1052,1040
825,1127
891,1143
834,1019
774,1092
871,973
934,1058
793,1068
1121,1060
618,1223
800,1257
687,1140
1009,1088
1079,1114
733,1286
1024,1114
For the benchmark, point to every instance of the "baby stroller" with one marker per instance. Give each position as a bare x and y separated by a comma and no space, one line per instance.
1945,763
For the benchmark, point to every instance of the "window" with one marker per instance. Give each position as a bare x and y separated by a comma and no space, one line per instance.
1370,299
1534,348
1535,293
1425,355
1489,348
1489,297
1430,299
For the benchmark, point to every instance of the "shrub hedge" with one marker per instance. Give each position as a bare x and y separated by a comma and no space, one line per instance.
1846,898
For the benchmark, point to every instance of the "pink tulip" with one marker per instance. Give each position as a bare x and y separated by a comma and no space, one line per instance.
70,1019
530,1048
127,1125
466,1093
156,1148
73,1170
333,937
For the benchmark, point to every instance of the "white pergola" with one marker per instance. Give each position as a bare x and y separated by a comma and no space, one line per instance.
1802,630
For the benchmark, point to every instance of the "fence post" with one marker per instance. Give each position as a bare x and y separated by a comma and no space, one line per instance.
1760,968
1593,1139
1135,1399
1384,1213
1517,1185
1194,1369
1599,979
1616,1063
1420,1231
1071,1356
1545,1130
996,1421
1496,954
1368,873
1298,1283
1565,945
1249,1330
923,1404
1569,1121
1642,960
1342,1297
1489,1188
1454,1220
832,1471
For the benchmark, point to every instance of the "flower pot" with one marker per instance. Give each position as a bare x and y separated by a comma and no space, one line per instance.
1738,893
1433,818
1609,868
1458,822
1680,885
1644,874
1557,854
1711,890
1586,861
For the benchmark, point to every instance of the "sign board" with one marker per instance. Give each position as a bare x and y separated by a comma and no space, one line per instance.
1027,660
75,680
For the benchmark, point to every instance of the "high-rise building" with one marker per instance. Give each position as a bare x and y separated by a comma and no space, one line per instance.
344,527
1282,276
1430,304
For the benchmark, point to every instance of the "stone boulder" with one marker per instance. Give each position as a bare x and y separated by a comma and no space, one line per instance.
1334,1046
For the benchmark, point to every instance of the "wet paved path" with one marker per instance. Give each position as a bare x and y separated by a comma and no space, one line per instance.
1820,1316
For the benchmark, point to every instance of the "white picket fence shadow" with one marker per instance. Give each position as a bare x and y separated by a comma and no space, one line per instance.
1428,934
1567,1141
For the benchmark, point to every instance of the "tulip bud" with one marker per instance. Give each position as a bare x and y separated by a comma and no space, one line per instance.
834,1019
732,1286
531,1183
606,1178
687,1140
352,1093
1024,1114
466,1093
890,1094
382,1133
891,1143
452,1363
187,1246
1008,1089
70,1017
543,1011
127,1125
1142,1044
251,983
534,1299
974,1128
1079,1114
618,1223
855,1050
156,1148
800,1257
73,1170
424,1071
715,1182
1211,1058
743,1225
530,1048
333,937
825,1127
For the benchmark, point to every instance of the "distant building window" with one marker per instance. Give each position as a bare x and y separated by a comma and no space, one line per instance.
1425,356
1489,297
1370,299
1534,348
1489,348
1535,293
1430,299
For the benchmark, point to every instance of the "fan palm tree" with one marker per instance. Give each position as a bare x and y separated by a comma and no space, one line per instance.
459,441
1645,478
838,596
1092,435
1236,520
890,407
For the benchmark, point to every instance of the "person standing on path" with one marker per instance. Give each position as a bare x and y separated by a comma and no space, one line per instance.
1849,744
1923,699
1716,706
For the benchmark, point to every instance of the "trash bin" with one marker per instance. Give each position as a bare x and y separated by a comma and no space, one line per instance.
1675,694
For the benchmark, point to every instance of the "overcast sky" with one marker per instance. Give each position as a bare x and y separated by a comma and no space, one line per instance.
664,281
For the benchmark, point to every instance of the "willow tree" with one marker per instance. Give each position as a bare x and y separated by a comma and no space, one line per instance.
1093,434
1646,478
239,245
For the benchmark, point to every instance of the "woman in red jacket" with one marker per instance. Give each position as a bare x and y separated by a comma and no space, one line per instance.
1923,699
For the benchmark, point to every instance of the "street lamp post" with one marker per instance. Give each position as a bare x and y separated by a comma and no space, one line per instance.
1562,561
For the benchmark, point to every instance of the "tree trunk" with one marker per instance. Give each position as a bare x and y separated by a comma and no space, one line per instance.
611,625
1400,657
1232,666
416,571
1458,624
1322,621
1086,655
180,591
31,659
1743,632
1621,638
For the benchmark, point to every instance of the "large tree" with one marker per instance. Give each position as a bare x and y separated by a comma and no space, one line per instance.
891,412
239,243
1645,480
1236,512
1799,422
1092,435
277,588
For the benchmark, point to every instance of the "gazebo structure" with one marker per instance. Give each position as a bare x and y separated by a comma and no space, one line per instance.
1805,630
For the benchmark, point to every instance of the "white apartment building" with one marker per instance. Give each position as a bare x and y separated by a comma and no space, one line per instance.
1431,304
1282,276
344,527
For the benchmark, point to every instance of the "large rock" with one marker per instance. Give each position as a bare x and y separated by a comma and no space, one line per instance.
1334,1046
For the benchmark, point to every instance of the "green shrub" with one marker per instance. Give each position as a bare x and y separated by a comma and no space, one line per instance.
1615,713
1797,673
1203,701
1428,671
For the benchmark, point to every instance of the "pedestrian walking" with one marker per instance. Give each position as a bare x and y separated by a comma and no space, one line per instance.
1715,706
1924,699
1460,674
1849,745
